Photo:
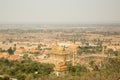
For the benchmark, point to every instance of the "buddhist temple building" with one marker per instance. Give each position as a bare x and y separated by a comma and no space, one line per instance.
60,55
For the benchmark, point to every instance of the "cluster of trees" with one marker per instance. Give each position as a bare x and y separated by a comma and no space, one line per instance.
77,70
89,50
24,70
31,70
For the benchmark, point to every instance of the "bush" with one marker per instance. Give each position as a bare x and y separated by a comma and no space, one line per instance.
77,70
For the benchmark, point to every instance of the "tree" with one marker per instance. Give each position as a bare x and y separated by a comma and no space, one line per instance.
14,48
39,46
10,51
110,52
77,70
79,51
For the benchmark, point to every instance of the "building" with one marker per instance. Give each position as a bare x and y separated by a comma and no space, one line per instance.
15,57
4,55
20,51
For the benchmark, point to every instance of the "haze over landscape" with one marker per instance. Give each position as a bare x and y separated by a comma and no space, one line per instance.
59,11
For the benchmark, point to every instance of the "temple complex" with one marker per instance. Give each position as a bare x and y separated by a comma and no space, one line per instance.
60,55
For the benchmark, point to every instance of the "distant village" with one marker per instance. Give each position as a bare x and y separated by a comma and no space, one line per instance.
60,45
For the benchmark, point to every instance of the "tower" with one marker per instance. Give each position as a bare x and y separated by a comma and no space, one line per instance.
103,47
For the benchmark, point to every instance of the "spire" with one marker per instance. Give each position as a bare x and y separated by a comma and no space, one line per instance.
74,40
56,43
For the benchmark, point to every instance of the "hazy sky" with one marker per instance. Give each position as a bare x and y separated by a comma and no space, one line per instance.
59,11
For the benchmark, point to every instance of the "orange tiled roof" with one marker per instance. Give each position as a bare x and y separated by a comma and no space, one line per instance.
62,68
14,57
34,50
72,48
4,55
20,50
113,47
